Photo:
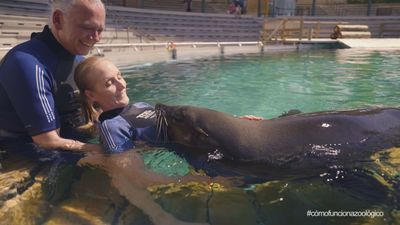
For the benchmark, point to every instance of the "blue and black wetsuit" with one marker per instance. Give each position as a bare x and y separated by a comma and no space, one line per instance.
120,128
37,90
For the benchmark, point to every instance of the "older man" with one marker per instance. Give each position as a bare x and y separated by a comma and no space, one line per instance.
37,92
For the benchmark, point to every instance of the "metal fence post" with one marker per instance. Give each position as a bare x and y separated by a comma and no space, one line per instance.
369,7
313,8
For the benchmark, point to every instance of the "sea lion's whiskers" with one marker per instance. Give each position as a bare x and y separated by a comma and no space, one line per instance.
165,120
161,125
158,128
165,126
158,124
165,131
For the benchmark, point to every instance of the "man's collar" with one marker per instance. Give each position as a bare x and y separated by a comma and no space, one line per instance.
47,37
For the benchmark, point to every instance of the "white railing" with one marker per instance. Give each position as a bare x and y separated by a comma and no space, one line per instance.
166,44
5,48
172,45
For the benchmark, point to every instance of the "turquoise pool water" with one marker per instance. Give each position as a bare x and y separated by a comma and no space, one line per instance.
270,84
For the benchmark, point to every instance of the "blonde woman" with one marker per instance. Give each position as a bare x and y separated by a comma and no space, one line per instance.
102,86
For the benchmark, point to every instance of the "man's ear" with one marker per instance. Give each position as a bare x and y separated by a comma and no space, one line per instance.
58,19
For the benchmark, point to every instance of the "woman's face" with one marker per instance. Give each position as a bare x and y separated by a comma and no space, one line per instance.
108,86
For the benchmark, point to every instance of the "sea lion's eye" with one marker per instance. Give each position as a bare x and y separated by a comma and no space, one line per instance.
180,115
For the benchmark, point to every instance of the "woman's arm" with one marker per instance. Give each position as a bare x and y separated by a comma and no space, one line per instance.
116,135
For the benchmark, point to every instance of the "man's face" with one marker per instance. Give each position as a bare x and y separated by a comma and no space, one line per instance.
80,27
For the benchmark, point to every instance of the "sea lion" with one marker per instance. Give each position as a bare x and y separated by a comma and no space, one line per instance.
303,140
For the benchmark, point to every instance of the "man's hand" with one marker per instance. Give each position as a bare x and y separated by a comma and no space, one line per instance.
51,140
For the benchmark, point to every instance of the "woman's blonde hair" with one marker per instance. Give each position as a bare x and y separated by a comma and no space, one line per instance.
83,82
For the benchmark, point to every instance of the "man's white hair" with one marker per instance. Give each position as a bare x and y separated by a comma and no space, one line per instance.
65,6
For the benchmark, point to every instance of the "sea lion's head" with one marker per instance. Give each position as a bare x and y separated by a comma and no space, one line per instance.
183,125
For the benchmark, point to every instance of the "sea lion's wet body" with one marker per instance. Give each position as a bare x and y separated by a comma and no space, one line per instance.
304,140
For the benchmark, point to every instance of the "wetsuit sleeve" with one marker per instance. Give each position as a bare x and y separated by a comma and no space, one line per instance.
147,133
116,135
29,88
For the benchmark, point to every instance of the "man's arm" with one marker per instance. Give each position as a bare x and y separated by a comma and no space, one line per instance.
51,140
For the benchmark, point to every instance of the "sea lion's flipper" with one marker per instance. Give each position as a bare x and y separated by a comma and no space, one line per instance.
201,131
291,112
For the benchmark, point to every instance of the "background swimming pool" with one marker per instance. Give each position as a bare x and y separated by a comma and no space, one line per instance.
270,84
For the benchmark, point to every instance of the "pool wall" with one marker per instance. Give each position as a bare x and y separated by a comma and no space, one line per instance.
131,56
